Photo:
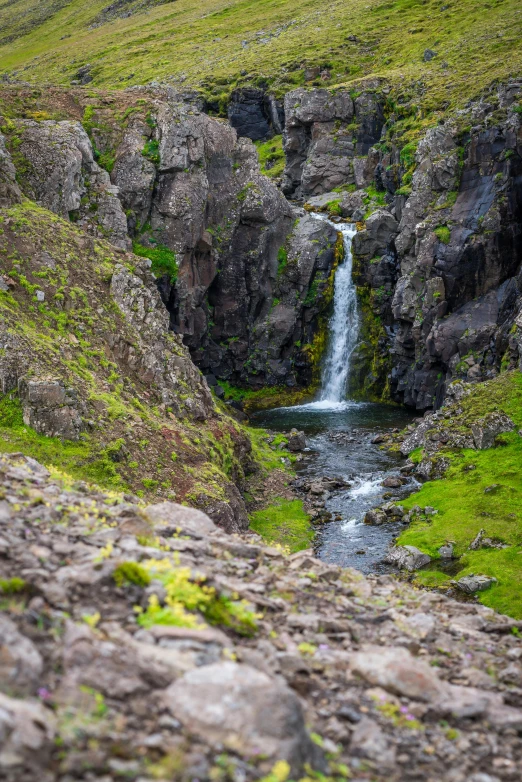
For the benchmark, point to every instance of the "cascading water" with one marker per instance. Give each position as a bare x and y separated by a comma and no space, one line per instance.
344,325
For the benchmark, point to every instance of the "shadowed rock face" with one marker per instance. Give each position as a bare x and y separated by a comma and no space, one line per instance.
230,228
254,114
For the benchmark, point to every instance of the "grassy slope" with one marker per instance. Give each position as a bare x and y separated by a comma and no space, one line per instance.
465,507
211,43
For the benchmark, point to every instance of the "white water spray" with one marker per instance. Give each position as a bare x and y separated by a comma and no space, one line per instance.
344,325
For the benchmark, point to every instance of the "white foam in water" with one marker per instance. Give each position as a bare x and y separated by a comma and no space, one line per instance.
366,486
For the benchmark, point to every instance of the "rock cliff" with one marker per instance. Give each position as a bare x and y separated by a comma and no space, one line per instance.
438,255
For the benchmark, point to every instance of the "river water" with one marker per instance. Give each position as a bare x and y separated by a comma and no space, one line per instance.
339,434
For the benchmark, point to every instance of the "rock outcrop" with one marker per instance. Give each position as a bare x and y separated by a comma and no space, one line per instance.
327,139
139,640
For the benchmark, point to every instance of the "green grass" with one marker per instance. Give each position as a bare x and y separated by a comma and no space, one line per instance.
443,234
200,44
465,507
271,156
163,260
78,460
286,523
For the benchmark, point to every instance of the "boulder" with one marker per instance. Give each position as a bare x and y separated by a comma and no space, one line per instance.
474,583
244,710
51,409
21,664
170,518
488,428
407,558
27,731
296,441
396,670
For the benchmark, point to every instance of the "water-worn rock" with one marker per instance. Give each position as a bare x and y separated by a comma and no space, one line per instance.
407,558
243,709
296,441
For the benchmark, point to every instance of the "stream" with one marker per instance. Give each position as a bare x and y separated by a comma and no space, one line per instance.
339,436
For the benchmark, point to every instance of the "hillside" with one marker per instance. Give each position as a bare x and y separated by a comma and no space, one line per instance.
219,45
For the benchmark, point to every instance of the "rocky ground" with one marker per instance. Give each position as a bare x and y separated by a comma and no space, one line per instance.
144,643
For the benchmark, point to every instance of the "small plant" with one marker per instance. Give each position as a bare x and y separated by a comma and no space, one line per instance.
12,586
151,151
131,573
164,261
443,234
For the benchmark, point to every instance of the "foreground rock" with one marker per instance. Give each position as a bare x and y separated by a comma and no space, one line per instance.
145,643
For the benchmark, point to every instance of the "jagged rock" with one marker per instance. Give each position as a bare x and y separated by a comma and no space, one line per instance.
394,669
474,583
162,358
62,175
27,731
20,662
255,114
9,190
243,709
487,429
370,741
51,409
320,155
407,558
352,205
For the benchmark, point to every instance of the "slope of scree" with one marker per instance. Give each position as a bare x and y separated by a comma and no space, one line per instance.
144,642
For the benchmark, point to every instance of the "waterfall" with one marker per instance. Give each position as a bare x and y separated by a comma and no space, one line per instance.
344,325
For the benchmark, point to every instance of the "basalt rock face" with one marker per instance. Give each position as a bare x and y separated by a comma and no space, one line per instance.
255,114
436,261
56,166
460,248
183,182
204,197
327,140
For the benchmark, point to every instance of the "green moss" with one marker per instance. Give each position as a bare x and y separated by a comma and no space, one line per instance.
151,151
12,586
271,156
282,261
286,523
131,573
164,261
82,459
371,362
189,598
443,234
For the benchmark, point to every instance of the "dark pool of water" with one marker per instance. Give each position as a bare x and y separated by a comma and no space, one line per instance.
357,460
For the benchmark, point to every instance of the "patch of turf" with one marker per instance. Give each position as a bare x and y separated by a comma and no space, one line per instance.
481,490
286,523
